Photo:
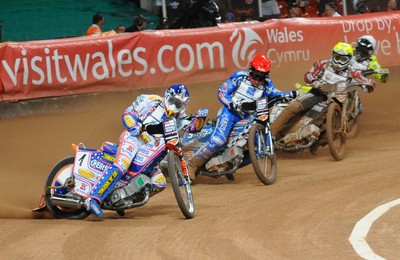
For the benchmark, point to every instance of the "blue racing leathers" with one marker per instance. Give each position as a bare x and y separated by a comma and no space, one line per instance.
236,90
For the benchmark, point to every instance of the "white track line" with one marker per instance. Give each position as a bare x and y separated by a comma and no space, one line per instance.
360,231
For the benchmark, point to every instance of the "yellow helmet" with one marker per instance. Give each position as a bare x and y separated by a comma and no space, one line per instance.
341,55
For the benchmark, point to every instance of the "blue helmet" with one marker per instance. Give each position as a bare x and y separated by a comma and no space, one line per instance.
176,99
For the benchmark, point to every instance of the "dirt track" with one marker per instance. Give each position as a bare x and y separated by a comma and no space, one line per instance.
308,213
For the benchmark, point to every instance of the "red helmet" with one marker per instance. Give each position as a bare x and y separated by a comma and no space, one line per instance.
259,69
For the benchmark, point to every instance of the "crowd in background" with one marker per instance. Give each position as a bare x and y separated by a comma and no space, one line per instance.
204,13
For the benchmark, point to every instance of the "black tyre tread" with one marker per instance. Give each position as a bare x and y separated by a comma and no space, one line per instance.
253,157
173,160
336,140
56,210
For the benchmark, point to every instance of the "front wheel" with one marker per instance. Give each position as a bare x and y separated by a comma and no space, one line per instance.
181,185
334,131
262,159
59,175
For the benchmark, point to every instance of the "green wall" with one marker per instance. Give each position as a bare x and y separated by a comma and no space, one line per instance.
25,20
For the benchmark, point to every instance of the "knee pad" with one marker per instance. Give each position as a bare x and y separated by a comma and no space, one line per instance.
158,181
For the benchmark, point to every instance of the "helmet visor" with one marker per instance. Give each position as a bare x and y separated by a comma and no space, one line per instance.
175,102
258,75
362,52
341,59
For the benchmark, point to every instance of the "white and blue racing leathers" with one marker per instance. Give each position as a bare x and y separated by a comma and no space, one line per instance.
145,110
236,90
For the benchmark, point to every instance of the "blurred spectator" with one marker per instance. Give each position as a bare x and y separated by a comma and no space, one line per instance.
391,5
294,10
139,24
270,9
321,6
331,9
246,10
162,24
229,17
375,9
360,6
175,9
303,3
202,13
120,28
95,28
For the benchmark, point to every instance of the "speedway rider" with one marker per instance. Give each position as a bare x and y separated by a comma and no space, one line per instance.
330,71
364,58
242,86
146,111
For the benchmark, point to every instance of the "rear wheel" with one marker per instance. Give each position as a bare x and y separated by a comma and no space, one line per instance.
58,176
181,185
353,127
334,131
262,159
353,115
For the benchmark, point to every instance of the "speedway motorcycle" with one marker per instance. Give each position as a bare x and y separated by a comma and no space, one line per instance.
71,180
249,142
355,103
326,123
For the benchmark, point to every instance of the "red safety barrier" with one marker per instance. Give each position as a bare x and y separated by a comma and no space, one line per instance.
159,58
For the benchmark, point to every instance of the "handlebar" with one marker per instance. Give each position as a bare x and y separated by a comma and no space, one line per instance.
381,71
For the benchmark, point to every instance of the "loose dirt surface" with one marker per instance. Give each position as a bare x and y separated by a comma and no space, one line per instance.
308,213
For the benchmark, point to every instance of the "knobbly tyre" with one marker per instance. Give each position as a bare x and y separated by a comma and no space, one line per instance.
249,142
72,179
327,123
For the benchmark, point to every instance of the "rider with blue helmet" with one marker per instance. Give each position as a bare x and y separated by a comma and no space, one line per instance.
145,111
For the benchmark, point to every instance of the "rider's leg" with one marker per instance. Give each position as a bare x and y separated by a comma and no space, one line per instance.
302,103
225,122
129,145
294,108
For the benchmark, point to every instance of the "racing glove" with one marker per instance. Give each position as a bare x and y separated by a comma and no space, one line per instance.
294,94
316,84
370,87
232,106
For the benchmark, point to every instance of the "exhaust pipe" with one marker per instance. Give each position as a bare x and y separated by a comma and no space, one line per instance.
66,201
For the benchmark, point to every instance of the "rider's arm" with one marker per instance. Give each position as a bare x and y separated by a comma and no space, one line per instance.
375,66
357,76
131,122
228,87
135,114
272,91
316,72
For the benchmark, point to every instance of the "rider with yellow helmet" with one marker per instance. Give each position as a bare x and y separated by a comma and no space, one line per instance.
331,71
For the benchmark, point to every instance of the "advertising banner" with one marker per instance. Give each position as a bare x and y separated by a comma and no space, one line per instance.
163,57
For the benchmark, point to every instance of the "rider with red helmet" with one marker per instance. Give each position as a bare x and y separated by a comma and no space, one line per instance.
241,87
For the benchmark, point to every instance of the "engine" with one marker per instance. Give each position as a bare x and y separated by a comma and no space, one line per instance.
130,193
306,133
229,159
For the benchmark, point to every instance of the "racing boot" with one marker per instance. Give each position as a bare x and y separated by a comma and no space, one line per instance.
93,206
102,189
